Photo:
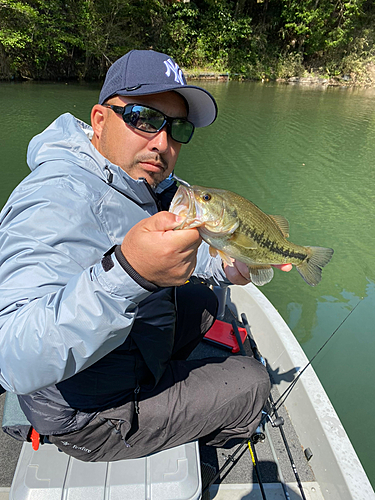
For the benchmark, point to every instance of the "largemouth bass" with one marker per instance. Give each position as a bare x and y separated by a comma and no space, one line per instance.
237,229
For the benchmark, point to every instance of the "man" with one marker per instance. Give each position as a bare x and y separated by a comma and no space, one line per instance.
96,322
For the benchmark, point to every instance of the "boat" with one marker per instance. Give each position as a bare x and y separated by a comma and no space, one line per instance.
300,451
337,470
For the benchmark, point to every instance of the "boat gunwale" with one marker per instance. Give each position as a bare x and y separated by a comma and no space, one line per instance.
344,476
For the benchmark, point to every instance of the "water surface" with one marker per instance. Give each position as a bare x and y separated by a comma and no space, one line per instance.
306,153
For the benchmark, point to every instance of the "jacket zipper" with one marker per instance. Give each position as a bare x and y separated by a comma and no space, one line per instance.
152,193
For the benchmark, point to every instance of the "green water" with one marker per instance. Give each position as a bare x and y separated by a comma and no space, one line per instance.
307,153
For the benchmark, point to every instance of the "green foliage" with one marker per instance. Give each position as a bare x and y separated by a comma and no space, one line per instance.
51,39
109,28
207,33
226,40
180,33
38,36
315,26
290,65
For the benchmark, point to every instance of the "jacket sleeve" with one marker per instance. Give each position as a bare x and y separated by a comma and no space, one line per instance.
60,311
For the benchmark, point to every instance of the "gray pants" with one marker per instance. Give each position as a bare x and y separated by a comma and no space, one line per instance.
212,399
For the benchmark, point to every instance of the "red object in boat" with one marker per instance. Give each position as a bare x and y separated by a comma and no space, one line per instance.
35,439
222,333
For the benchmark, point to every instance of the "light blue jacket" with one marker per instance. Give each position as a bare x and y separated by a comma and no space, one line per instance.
59,311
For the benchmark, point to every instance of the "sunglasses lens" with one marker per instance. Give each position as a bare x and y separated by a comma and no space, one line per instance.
151,120
181,130
143,118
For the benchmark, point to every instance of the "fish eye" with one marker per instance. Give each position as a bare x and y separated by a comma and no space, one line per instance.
206,197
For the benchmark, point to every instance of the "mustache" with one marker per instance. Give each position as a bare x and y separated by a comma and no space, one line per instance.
155,158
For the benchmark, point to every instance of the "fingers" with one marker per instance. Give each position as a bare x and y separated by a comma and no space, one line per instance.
238,274
159,254
162,221
284,267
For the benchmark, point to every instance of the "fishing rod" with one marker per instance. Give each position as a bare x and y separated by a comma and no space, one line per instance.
254,459
258,436
279,421
231,459
290,456
281,400
279,471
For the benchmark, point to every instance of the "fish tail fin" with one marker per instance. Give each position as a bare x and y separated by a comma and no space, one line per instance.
311,267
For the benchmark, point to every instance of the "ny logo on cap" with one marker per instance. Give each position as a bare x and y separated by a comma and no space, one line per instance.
174,68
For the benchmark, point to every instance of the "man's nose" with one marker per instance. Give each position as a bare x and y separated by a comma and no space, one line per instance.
160,141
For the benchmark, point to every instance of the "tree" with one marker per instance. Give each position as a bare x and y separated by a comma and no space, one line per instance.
38,36
313,27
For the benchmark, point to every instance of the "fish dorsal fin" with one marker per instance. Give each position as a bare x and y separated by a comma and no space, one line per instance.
282,223
244,241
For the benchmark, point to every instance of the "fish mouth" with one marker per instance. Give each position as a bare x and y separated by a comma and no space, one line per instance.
183,203
186,205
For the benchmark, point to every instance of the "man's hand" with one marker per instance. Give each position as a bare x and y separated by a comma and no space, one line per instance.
159,254
239,273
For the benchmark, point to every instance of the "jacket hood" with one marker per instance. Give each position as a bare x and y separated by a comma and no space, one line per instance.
69,139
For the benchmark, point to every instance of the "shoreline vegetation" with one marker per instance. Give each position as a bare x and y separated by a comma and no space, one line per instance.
355,80
314,42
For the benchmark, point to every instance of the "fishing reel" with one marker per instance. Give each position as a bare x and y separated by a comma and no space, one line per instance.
259,435
275,423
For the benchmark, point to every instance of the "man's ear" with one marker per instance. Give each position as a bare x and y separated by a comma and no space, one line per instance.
98,117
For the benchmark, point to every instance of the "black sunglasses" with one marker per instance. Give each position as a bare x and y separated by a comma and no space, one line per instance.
151,120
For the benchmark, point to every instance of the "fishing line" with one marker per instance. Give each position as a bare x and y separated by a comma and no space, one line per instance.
281,400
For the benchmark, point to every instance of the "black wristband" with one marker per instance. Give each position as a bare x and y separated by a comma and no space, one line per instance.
147,285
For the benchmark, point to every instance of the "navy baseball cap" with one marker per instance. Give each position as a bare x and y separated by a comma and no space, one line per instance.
143,72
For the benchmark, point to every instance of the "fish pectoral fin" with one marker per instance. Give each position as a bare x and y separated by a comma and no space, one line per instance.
282,223
244,241
260,275
213,251
224,256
